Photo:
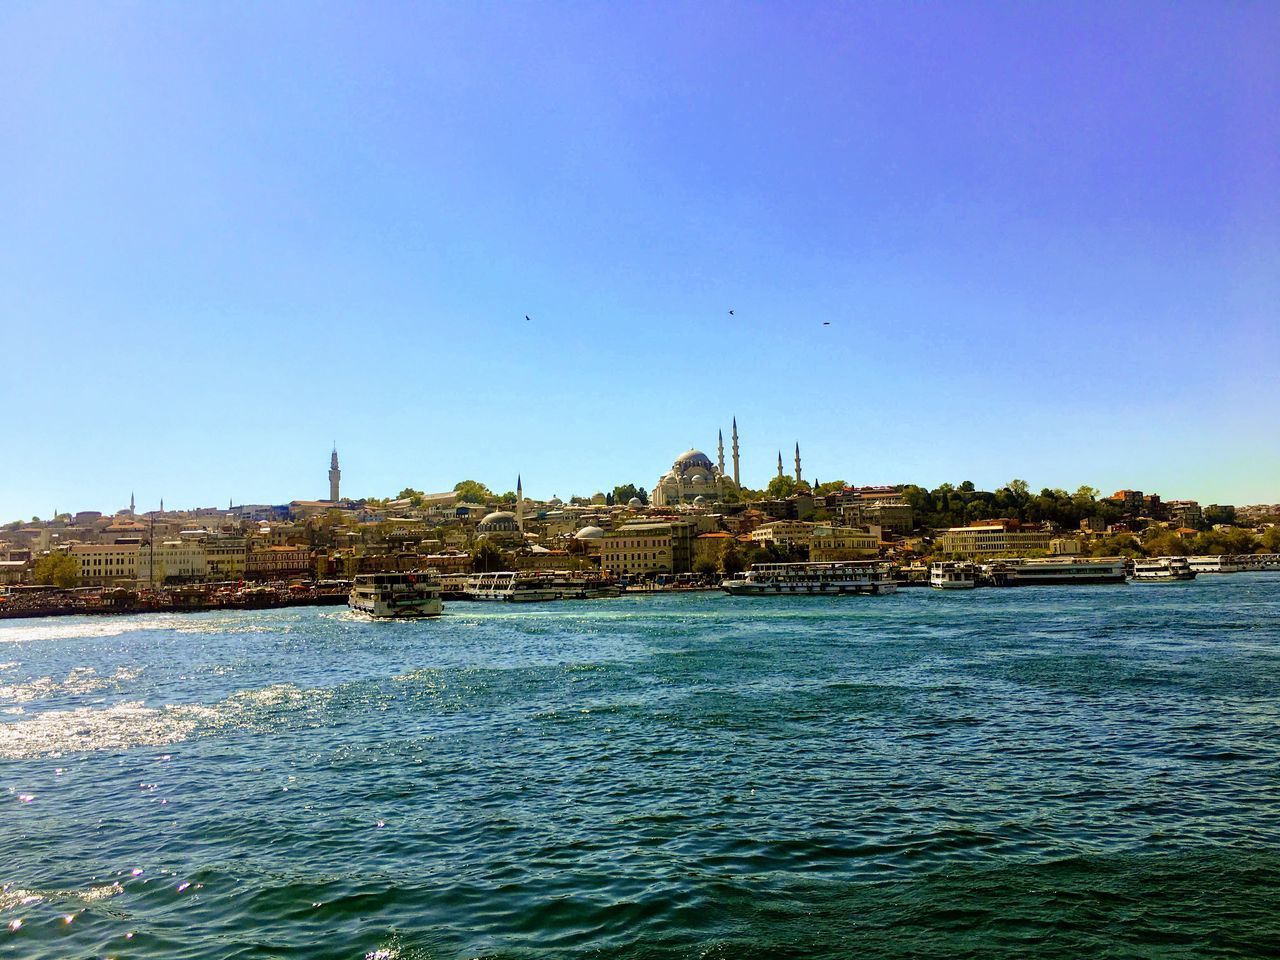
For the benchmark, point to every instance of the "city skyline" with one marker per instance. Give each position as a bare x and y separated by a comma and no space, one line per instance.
968,243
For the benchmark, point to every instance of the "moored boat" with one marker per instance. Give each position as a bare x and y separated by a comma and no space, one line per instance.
1162,570
953,575
540,585
395,595
1220,564
1056,571
813,579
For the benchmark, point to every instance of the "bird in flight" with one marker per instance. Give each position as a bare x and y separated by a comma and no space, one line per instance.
731,313
526,316
826,323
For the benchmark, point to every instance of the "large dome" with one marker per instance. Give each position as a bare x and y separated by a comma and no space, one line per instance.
589,533
693,458
499,520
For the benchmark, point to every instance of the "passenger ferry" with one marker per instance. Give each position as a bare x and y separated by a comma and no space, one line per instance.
529,586
1056,571
1222,564
817,579
386,595
953,575
1162,570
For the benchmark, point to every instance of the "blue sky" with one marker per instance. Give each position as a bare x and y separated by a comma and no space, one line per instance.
1046,240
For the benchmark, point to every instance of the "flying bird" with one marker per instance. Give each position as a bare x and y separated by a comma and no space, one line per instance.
731,313
826,323
526,316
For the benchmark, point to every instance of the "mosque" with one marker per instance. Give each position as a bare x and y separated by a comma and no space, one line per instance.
694,480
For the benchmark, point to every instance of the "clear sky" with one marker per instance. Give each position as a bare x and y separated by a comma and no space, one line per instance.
1046,241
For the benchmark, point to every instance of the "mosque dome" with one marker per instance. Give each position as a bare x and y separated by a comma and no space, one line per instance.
693,458
589,533
634,503
498,520
699,501
698,478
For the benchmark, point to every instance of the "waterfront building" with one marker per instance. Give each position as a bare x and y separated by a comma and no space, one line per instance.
783,532
1064,547
103,564
225,557
993,538
828,542
166,560
278,562
649,547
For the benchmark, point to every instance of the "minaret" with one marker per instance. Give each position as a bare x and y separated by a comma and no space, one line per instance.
162,504
520,504
335,475
735,453
797,461
131,507
779,464
720,455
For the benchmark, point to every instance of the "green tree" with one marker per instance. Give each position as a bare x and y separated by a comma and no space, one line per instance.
781,487
487,557
59,569
1166,544
1271,539
731,560
835,486
624,492
704,565
416,497
472,491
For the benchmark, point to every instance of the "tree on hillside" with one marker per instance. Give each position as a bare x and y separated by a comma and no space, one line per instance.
412,495
472,491
59,569
834,486
624,492
781,487
487,557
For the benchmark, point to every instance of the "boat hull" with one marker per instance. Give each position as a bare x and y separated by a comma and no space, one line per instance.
816,590
384,611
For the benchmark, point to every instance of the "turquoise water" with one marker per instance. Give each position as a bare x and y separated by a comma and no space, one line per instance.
1049,772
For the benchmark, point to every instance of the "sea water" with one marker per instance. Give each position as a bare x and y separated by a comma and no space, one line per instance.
1048,772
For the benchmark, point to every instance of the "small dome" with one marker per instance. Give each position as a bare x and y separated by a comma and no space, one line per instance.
634,503
499,520
699,501
589,533
698,478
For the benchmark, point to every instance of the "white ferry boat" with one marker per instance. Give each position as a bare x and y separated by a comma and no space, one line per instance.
386,595
530,586
817,579
953,575
1221,564
1059,571
1162,570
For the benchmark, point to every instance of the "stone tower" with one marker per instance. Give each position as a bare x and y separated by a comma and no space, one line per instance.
779,464
797,461
335,475
519,503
